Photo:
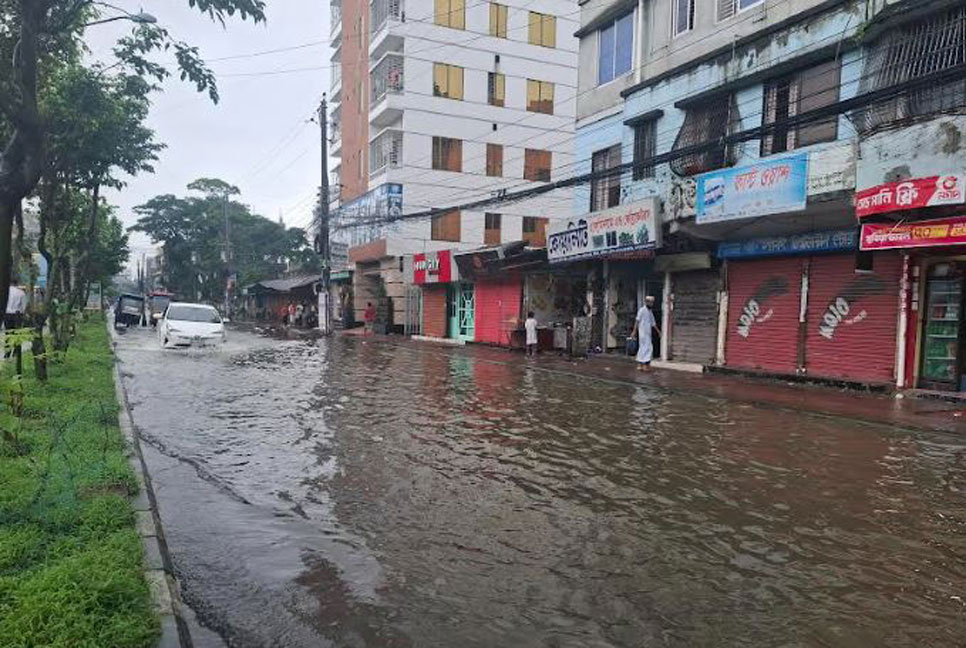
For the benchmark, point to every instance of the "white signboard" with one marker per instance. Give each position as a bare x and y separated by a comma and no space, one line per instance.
625,228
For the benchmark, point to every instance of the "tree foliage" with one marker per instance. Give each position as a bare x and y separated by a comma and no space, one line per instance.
192,233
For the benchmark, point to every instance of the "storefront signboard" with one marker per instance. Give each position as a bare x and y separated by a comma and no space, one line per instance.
809,243
433,267
625,228
910,194
769,187
931,233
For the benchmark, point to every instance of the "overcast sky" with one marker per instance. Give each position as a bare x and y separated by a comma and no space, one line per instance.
258,136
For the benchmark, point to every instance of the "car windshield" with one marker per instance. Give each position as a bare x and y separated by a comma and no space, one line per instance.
160,303
183,313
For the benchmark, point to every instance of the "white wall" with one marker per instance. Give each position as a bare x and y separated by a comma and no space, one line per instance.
472,119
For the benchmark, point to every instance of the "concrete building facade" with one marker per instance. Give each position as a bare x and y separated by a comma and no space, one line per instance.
443,102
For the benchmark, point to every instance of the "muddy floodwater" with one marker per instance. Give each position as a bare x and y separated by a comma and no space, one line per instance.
350,493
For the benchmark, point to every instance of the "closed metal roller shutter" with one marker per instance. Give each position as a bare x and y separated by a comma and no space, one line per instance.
694,316
852,318
764,299
497,310
434,311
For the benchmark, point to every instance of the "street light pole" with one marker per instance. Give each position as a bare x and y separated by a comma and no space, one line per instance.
322,245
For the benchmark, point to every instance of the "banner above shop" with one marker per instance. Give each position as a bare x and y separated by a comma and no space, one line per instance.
618,230
770,187
810,243
932,233
434,267
910,194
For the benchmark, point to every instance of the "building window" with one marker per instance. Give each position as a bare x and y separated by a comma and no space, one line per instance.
540,96
447,154
615,48
795,94
908,52
496,89
605,191
446,226
536,165
494,160
451,13
705,124
728,8
683,16
447,81
498,16
543,29
535,231
491,229
645,137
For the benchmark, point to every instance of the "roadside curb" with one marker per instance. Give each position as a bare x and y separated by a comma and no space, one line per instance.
158,569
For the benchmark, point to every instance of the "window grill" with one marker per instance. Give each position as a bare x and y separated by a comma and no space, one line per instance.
382,11
385,151
605,191
910,52
706,123
387,76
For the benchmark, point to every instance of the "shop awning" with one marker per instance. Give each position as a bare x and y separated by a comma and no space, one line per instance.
500,259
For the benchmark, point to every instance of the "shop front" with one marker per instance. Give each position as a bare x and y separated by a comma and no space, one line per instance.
807,304
435,296
933,254
617,246
489,300
692,289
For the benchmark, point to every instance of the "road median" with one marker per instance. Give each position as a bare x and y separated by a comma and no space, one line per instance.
71,559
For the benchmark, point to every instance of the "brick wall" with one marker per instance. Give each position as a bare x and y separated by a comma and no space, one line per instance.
434,311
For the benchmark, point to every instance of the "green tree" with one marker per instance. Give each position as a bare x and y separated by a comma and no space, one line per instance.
36,37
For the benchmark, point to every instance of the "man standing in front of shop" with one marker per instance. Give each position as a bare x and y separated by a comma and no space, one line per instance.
644,324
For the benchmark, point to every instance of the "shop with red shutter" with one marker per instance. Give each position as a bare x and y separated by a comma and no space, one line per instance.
817,309
498,304
435,273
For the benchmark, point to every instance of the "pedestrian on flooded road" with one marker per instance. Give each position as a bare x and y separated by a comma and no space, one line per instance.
644,324
370,318
530,326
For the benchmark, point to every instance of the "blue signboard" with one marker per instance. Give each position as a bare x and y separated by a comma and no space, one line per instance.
769,187
810,243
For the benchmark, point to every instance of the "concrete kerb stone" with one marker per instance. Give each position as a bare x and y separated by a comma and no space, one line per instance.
158,572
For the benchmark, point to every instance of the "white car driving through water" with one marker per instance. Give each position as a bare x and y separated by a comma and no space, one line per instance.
187,324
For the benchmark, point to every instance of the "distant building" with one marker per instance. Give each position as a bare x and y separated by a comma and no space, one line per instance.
436,103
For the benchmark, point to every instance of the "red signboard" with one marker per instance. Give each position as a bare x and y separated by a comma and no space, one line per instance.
910,194
433,267
888,236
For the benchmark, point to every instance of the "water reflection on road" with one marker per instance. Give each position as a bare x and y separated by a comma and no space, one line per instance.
361,494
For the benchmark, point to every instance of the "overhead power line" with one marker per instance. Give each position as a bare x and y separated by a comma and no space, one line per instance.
811,116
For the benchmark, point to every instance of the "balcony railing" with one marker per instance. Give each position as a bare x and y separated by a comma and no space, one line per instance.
383,10
335,16
335,124
335,73
386,77
385,152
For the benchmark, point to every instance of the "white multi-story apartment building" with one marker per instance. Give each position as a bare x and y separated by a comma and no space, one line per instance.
439,103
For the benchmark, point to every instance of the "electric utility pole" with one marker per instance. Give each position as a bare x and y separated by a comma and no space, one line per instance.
228,276
322,240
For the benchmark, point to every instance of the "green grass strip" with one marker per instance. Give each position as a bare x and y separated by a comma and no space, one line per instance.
70,559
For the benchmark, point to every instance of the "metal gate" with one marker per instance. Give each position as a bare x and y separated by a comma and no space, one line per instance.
764,304
694,316
414,311
852,318
466,312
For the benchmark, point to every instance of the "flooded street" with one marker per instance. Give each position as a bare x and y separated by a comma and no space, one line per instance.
350,493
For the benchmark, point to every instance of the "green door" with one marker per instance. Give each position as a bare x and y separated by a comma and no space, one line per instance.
465,312
452,316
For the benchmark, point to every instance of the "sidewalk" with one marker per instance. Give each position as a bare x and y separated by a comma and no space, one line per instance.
885,409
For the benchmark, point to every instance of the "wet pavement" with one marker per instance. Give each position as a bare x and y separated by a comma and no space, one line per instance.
348,492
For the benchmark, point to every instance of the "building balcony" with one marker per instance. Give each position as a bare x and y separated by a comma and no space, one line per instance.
335,132
385,152
385,14
386,85
335,86
335,21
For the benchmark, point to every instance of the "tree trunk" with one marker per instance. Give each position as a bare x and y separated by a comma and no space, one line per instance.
39,349
7,216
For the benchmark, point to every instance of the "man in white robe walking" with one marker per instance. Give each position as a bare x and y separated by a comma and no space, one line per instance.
642,330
